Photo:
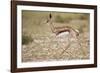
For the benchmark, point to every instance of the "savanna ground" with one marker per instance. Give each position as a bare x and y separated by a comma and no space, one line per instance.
39,43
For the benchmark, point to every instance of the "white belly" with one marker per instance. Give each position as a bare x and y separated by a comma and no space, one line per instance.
63,34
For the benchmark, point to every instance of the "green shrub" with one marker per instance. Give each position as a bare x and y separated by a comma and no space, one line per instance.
63,19
59,19
26,39
84,17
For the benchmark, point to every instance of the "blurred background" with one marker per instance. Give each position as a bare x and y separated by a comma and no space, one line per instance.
35,27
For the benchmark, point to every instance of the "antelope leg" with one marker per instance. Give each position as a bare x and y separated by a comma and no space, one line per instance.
65,50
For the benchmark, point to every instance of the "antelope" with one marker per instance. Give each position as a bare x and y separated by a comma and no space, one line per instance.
61,31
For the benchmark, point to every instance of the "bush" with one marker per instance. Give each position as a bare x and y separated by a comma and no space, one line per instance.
59,19
63,19
84,17
26,39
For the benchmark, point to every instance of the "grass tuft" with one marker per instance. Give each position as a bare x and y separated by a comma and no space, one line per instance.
26,39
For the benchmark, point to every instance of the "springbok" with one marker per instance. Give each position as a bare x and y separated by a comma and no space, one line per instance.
63,31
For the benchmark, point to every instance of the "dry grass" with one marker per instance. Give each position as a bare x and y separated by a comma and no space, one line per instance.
49,48
45,46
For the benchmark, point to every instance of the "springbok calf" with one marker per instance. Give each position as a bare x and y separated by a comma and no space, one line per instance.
63,31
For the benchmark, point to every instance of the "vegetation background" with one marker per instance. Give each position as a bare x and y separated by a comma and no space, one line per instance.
35,28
